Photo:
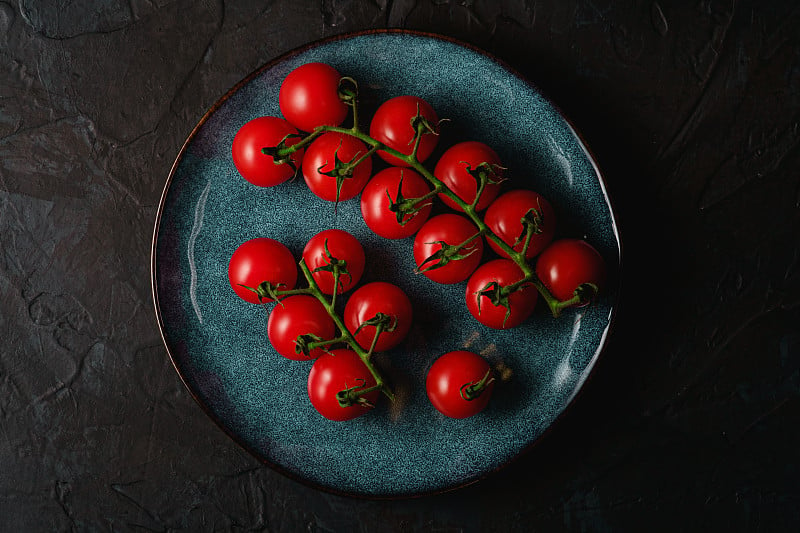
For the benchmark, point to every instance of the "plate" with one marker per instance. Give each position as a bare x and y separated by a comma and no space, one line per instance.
218,343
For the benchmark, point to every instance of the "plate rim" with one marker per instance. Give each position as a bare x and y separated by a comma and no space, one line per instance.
580,385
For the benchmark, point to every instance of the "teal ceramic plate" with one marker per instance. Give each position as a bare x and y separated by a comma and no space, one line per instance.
218,342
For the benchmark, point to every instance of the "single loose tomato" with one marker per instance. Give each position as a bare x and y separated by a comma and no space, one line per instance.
254,165
309,97
459,384
384,191
512,214
456,168
330,153
436,242
379,299
334,248
296,316
395,124
567,264
487,304
338,371
258,260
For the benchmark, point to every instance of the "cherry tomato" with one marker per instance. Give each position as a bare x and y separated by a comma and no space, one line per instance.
295,316
258,260
393,125
494,274
459,384
309,97
368,301
341,246
321,156
568,263
452,229
504,217
255,166
382,191
337,371
452,170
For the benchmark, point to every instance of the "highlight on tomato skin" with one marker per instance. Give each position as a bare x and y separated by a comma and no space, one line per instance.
459,384
252,163
259,260
309,97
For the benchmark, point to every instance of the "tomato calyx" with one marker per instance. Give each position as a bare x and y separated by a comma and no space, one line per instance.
355,395
421,126
484,174
348,90
344,170
267,291
382,323
497,295
405,209
472,390
281,153
306,343
337,268
449,252
532,224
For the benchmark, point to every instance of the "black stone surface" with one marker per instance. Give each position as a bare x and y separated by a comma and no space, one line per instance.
690,421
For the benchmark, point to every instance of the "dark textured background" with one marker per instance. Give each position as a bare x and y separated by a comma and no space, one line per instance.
690,420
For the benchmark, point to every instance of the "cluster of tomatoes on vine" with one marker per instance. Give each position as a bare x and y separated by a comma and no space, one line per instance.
396,203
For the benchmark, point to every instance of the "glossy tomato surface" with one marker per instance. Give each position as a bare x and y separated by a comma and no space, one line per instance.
451,229
568,263
321,156
369,300
255,166
521,303
459,384
309,97
257,260
384,190
393,124
504,217
329,246
334,372
295,316
453,169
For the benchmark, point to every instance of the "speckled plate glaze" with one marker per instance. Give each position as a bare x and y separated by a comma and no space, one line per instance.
218,343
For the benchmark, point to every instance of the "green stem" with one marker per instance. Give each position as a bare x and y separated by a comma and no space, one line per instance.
346,336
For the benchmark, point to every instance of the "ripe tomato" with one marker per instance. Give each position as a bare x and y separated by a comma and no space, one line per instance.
504,217
309,97
567,264
452,170
342,246
368,301
452,230
295,316
258,260
459,384
393,124
382,191
337,371
255,166
490,311
321,156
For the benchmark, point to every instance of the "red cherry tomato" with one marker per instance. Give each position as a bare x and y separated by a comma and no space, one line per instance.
504,217
295,316
258,260
393,125
320,157
382,191
459,384
336,371
369,300
255,166
341,246
568,263
309,97
452,171
451,229
520,304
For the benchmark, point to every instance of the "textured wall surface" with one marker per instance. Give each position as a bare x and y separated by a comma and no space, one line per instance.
690,418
